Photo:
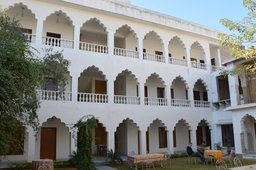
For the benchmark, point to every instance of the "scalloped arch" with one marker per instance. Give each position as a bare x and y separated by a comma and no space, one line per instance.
127,72
203,82
242,122
176,38
97,21
60,12
183,121
129,28
128,119
182,79
196,44
155,34
206,122
56,119
156,76
21,4
94,69
157,120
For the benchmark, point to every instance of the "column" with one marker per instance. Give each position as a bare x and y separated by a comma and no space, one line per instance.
39,31
74,87
110,90
140,47
190,94
237,135
193,138
168,94
31,144
219,57
208,57
111,140
141,93
76,36
170,141
166,51
188,57
233,89
143,142
111,42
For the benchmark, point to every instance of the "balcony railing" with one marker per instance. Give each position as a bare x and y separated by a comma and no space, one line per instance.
97,48
54,95
180,103
198,65
126,52
200,103
92,98
120,99
216,68
177,61
153,57
31,38
155,101
58,42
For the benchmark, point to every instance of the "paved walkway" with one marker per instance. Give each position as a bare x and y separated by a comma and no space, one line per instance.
105,168
249,167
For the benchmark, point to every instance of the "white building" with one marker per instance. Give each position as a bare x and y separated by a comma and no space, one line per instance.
151,80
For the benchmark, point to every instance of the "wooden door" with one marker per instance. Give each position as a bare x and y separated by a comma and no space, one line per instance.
138,142
208,136
48,143
100,87
199,135
147,141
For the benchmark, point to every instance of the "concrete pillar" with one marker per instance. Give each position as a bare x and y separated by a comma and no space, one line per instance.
74,87
168,94
207,57
31,144
170,141
111,140
188,57
141,93
193,138
39,31
166,51
140,47
110,90
233,89
76,36
237,134
143,142
111,42
219,58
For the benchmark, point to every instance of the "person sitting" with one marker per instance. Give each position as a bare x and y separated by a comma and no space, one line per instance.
194,154
201,147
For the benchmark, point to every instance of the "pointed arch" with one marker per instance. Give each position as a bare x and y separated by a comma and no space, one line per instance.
243,120
154,34
155,75
92,69
94,22
128,120
178,40
159,122
126,30
197,45
128,72
201,82
60,16
22,7
183,121
182,80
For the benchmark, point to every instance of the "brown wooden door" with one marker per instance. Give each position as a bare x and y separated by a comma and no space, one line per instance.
208,136
138,142
199,135
174,137
147,141
100,87
48,143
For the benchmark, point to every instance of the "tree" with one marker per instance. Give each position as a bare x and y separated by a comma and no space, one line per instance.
242,39
21,73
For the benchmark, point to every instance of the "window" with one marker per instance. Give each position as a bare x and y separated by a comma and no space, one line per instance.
201,61
205,96
160,92
196,95
193,59
174,137
227,135
170,55
27,32
158,52
213,61
172,93
50,84
184,57
186,94
162,137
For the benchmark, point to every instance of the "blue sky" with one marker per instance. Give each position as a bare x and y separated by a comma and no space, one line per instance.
204,12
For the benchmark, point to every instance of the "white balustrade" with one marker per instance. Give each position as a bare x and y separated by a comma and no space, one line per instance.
54,95
198,65
31,38
153,57
155,101
200,103
92,98
93,47
58,42
180,103
126,52
121,99
216,68
177,61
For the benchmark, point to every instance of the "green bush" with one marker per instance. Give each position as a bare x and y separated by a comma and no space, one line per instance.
21,166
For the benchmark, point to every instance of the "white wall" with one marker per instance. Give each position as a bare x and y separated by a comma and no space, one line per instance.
177,50
152,44
131,42
121,134
179,89
196,52
132,137
152,83
182,137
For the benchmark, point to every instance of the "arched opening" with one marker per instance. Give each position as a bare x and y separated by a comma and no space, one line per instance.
92,86
153,47
197,55
177,52
126,88
154,91
125,42
94,37
248,134
58,30
127,138
54,140
181,135
99,140
200,94
203,133
26,18
179,93
157,137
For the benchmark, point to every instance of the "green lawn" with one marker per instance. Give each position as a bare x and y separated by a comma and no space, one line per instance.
182,164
